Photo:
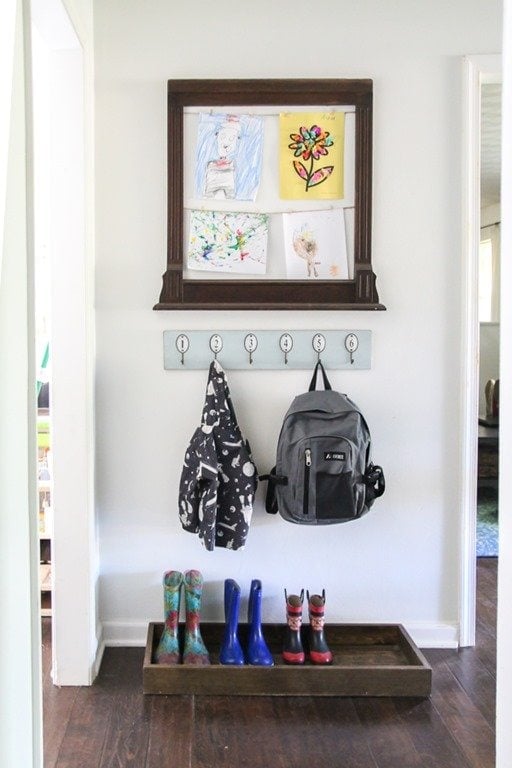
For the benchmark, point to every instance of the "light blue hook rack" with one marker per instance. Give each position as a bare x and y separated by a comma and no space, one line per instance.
268,350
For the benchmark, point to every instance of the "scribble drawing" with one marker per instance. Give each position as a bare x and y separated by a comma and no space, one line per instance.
228,242
306,247
228,156
311,144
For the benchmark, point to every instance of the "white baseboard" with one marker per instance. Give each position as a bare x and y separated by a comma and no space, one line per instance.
431,635
125,633
100,649
424,634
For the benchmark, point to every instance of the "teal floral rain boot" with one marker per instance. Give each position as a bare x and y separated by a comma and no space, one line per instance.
195,650
168,651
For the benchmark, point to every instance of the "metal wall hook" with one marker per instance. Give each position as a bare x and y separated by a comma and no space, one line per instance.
182,345
216,344
318,342
351,344
251,344
286,345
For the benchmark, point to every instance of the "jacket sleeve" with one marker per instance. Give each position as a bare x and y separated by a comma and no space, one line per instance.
198,488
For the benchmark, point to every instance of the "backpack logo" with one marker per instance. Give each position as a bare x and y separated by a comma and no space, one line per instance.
334,456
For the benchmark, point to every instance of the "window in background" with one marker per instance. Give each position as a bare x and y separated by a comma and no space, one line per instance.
488,275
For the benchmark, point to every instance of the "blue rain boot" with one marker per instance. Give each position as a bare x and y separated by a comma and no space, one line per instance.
231,650
257,649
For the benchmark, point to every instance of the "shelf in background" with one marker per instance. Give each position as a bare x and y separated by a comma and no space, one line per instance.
45,585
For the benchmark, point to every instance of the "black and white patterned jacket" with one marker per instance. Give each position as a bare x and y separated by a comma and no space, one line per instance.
219,477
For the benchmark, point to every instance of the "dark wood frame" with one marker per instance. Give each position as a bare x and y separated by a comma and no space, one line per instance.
359,293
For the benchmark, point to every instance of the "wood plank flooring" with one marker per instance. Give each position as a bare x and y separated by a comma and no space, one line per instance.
113,725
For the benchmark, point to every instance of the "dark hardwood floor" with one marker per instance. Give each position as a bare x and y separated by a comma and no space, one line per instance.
112,724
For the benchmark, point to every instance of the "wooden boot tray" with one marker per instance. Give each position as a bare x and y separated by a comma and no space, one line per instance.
369,660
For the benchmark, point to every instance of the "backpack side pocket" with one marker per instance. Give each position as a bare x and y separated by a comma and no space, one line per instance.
375,483
271,497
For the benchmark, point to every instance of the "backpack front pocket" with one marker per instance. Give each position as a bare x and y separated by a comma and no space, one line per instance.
334,496
325,480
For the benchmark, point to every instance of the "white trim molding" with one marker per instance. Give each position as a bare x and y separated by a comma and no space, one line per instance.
476,70
504,621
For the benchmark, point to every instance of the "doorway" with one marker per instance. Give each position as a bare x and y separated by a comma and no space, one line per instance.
477,71
489,320
64,292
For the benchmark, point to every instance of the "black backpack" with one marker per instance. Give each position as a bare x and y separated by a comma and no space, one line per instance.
323,471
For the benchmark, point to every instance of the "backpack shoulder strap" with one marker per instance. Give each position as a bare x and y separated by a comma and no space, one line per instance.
327,384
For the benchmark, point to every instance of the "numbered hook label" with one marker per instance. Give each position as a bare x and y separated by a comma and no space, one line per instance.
318,343
182,345
216,344
286,345
250,344
351,344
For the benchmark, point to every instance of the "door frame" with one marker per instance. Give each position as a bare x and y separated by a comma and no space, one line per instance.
76,631
477,69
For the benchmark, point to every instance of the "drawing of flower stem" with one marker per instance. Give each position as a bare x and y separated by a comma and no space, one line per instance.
311,144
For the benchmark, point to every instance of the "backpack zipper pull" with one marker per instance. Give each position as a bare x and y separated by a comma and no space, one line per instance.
307,457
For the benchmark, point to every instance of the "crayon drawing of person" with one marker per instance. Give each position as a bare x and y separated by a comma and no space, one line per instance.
229,153
220,172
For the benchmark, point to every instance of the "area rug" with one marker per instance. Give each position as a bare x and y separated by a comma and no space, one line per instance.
487,523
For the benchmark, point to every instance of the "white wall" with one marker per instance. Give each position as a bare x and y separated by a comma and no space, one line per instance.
6,69
400,562
64,172
84,665
20,673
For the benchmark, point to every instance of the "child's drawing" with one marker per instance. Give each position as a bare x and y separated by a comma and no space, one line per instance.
228,156
311,155
315,245
228,242
306,247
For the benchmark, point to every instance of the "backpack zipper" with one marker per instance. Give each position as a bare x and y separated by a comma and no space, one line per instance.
307,466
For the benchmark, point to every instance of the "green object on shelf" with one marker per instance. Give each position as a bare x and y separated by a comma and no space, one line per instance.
44,363
43,433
